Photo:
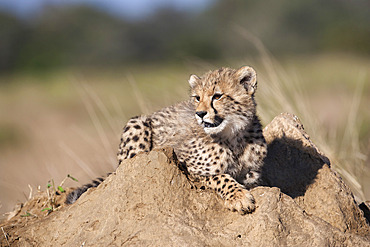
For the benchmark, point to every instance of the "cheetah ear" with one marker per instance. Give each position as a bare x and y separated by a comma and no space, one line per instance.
247,76
193,80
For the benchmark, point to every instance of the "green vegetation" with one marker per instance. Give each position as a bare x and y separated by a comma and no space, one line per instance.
52,192
27,214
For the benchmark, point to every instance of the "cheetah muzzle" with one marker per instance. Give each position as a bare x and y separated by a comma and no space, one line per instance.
216,135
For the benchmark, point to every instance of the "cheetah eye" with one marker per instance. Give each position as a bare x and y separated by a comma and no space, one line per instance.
217,96
197,98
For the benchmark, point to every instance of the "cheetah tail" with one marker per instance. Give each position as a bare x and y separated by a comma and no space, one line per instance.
75,194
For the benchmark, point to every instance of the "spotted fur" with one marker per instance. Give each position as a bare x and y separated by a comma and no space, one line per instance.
216,134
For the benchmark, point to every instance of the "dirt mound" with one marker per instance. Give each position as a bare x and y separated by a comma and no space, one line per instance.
149,201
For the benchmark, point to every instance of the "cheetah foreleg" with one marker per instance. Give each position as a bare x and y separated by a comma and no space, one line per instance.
236,197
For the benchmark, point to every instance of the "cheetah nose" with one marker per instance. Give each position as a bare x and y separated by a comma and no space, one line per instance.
201,114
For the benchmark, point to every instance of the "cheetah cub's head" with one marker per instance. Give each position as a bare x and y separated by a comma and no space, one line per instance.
224,99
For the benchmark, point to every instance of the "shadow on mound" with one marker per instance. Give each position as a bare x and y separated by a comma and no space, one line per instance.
292,161
289,168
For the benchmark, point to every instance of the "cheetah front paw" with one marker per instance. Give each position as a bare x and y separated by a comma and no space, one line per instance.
242,201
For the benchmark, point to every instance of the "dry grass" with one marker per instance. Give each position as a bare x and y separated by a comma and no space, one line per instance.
69,122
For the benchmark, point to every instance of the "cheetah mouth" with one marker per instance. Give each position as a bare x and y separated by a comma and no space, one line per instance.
217,123
210,125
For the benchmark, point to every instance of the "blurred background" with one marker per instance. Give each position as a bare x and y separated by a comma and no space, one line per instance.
72,72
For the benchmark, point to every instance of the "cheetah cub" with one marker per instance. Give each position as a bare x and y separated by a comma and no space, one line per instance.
216,135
